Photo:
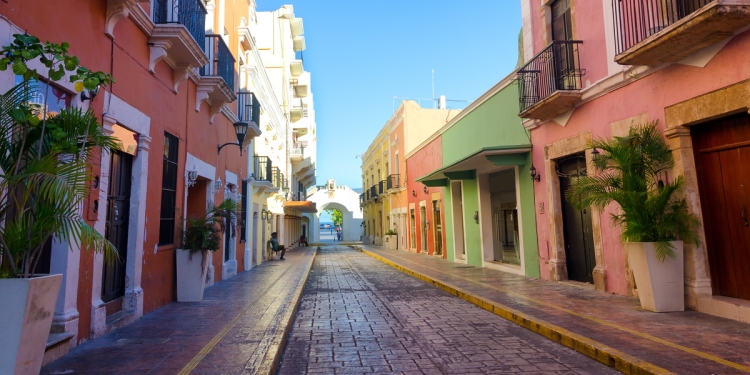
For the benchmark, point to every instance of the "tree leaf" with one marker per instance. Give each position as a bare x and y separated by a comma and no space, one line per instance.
19,68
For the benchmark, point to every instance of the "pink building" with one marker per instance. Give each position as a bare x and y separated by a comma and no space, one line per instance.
592,69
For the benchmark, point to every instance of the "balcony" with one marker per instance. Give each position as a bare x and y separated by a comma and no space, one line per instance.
263,169
278,178
297,152
374,192
177,38
393,182
216,86
550,84
248,111
652,32
298,111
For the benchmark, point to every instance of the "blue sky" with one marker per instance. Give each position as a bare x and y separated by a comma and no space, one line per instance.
363,53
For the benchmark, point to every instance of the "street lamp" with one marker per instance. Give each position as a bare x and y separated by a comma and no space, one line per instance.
240,128
264,214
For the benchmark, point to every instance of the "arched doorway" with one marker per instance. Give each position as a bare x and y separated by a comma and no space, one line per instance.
350,229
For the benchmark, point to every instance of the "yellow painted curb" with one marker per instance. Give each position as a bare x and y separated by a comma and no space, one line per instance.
611,357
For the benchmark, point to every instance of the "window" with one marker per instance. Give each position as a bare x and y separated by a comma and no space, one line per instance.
57,98
168,190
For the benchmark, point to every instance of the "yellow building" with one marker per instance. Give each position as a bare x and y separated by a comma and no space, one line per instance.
375,203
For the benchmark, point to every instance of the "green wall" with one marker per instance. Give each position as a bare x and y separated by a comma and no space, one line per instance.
448,211
494,123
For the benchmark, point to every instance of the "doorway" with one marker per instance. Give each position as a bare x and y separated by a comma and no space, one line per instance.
438,223
577,228
413,229
506,247
116,232
722,150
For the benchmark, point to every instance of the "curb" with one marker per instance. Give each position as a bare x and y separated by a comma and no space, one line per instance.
611,357
288,318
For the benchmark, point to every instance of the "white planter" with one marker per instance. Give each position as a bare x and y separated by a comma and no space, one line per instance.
28,308
391,241
660,284
191,277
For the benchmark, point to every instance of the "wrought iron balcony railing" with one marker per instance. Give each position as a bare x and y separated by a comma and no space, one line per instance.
248,107
636,20
556,68
189,13
298,149
382,186
220,60
278,178
394,181
373,191
263,168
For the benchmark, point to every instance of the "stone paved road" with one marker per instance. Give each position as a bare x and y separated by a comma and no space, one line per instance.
360,316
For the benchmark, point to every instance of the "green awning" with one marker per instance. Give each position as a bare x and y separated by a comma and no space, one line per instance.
486,160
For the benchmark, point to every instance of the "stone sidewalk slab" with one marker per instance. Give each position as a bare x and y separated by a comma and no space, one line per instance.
610,328
239,328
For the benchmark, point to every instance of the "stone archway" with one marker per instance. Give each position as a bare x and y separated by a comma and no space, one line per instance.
341,198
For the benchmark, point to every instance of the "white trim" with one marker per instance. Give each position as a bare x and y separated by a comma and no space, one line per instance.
121,113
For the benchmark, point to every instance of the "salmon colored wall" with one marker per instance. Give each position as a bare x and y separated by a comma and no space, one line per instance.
651,95
423,162
150,93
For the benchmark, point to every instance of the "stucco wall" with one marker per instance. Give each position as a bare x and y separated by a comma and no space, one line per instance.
422,162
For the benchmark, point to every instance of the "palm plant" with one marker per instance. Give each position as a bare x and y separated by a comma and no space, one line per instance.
630,170
203,233
44,160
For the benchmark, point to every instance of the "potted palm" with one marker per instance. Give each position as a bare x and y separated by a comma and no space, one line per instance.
44,158
391,239
201,235
654,219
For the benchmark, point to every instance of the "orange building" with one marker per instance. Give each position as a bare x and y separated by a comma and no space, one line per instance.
174,101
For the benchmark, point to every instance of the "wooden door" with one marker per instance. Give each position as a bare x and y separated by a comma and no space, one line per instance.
116,232
722,159
578,234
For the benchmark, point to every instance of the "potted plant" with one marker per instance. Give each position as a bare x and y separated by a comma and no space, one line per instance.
654,219
391,239
44,160
201,235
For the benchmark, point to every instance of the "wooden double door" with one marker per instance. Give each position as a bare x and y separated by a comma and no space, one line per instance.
577,228
722,161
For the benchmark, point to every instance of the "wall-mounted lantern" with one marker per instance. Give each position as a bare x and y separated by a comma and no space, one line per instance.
240,129
192,177
534,175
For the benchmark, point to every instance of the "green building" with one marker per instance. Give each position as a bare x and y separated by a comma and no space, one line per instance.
489,196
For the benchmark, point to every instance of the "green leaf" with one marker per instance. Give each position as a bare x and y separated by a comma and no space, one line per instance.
90,83
19,68
70,64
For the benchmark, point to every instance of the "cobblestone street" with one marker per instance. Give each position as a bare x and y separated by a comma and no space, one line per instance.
359,315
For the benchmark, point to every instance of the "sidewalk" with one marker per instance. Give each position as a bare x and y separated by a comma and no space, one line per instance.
239,327
610,328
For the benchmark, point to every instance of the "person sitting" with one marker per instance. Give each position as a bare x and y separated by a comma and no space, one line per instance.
303,240
275,247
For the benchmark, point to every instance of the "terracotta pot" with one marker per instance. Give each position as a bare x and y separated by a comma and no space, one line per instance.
28,309
660,284
191,276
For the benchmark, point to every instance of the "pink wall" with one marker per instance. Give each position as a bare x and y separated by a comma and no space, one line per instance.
428,159
650,94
